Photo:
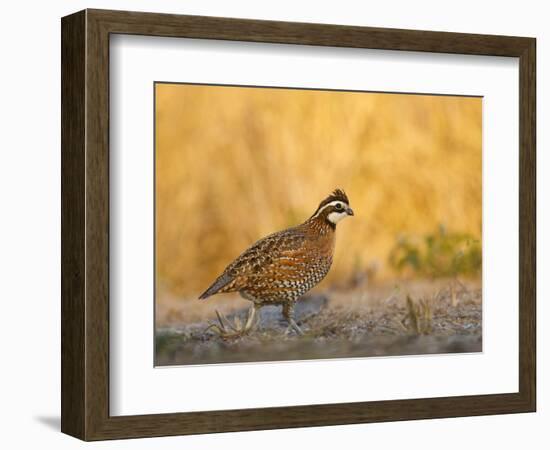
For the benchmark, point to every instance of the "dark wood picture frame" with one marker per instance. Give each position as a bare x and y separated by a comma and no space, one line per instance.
85,224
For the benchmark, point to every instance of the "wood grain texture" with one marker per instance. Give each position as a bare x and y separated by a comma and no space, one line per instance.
85,224
527,224
73,226
201,27
97,225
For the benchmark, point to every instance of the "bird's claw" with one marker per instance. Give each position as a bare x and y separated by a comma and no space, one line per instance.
293,326
227,330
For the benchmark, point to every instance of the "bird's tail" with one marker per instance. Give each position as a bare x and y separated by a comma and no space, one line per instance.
223,280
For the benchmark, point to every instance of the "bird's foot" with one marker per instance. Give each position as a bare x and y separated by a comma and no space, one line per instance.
228,330
292,325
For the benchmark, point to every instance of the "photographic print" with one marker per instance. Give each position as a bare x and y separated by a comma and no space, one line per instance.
300,224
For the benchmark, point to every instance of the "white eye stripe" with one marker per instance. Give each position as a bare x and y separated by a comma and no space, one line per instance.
333,203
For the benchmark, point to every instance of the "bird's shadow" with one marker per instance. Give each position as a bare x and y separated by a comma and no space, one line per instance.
52,422
270,316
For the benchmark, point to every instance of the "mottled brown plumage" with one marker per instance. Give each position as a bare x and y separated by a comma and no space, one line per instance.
283,266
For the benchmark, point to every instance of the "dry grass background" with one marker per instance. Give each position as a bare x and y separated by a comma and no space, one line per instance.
235,164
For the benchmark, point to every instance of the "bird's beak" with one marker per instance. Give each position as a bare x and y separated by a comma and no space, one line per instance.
350,212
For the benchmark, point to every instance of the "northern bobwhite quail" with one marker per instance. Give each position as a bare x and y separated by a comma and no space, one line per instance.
283,266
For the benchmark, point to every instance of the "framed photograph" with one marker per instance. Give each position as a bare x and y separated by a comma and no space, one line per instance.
273,224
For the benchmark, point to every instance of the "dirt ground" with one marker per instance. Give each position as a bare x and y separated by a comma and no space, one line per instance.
385,319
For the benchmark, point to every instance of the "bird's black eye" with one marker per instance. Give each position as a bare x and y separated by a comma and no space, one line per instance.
338,205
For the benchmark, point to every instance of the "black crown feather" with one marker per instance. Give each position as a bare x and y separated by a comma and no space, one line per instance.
337,194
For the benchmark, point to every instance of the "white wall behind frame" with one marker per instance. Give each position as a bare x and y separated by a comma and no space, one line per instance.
31,204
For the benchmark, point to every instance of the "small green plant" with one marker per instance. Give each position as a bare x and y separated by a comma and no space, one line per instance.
438,254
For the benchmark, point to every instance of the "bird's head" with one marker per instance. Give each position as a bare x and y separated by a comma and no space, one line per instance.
334,208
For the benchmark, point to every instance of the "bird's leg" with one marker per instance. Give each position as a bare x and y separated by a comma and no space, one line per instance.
250,319
288,313
234,330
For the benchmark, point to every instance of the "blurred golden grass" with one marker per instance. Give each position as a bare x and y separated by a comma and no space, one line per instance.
235,164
